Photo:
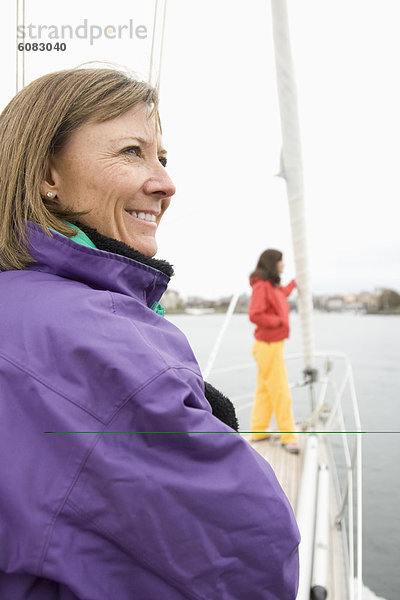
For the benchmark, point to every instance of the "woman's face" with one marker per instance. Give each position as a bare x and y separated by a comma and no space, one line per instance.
280,265
115,170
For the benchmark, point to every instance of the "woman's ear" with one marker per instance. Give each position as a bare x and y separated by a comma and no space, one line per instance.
48,186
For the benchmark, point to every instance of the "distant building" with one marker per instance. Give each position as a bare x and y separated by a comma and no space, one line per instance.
368,301
243,304
171,301
350,298
198,302
334,303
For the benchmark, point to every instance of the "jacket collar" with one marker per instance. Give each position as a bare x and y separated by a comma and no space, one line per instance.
103,242
98,268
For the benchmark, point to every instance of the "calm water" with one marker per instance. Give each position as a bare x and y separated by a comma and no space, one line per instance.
373,346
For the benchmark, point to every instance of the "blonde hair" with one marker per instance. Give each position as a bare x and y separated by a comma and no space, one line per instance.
35,125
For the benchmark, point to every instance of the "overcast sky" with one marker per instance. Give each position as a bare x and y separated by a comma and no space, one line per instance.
222,131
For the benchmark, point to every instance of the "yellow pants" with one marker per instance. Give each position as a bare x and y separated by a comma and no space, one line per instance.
272,394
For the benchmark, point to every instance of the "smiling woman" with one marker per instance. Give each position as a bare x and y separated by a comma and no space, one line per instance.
133,495
78,159
123,189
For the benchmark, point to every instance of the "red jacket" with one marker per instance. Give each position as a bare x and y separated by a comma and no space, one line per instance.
269,310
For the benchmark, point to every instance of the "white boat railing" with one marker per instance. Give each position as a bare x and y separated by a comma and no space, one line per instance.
336,412
218,341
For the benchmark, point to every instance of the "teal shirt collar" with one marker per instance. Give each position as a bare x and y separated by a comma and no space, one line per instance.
80,237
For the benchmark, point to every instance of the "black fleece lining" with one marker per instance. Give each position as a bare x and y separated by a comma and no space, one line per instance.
221,406
103,242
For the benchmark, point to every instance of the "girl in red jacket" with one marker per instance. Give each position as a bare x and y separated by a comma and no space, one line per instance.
269,310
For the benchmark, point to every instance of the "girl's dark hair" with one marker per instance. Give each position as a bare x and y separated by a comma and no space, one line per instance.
267,267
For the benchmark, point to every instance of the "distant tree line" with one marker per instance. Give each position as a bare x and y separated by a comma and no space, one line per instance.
388,300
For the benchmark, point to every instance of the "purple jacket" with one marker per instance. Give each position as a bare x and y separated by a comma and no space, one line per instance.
161,512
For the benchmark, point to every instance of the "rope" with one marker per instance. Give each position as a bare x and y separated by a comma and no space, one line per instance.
292,169
20,54
153,42
161,46
156,36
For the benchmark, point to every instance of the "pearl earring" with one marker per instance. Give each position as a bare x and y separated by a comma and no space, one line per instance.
49,194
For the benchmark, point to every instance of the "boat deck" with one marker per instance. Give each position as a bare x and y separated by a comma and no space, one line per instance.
287,467
288,470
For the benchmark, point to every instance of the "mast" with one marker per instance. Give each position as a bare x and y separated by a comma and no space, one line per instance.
292,170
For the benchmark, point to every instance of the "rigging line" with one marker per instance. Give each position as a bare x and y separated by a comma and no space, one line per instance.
215,350
16,50
20,54
23,52
153,41
155,69
161,46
